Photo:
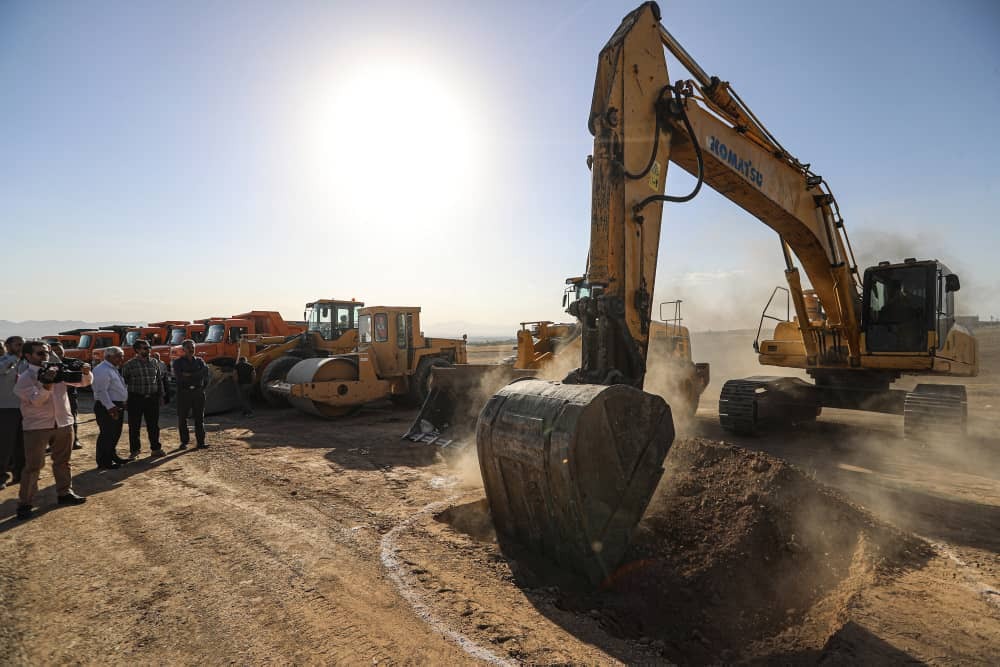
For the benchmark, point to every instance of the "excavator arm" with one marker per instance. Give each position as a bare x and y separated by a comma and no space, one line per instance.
641,122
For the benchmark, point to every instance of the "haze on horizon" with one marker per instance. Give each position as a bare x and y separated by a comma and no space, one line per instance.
185,159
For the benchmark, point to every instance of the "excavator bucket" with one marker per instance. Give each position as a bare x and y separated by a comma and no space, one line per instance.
569,469
448,416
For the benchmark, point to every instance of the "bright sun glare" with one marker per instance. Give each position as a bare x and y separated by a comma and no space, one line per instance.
398,140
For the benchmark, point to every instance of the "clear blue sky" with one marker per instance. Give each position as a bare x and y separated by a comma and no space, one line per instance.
184,159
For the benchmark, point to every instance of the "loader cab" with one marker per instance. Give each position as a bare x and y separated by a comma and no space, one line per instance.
332,319
392,334
669,337
908,307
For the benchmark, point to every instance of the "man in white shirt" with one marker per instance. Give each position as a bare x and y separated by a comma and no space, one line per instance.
47,421
110,396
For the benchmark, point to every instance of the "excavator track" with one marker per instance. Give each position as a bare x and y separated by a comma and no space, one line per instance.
749,405
738,406
935,411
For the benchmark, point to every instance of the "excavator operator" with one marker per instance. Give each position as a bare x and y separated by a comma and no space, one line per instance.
903,315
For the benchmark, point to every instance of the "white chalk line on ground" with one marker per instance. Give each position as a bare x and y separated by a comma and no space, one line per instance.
394,567
985,591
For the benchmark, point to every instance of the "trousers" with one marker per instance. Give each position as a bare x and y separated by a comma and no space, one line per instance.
11,442
61,441
191,402
143,406
111,433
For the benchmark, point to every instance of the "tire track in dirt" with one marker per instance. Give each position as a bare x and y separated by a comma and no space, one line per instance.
331,611
419,603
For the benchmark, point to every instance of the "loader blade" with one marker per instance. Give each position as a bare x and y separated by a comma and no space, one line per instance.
448,416
569,469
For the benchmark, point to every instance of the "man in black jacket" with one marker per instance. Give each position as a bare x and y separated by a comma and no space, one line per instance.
191,374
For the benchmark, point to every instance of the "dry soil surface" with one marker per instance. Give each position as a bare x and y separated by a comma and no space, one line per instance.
296,540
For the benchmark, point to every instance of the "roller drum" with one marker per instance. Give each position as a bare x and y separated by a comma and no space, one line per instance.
569,469
325,369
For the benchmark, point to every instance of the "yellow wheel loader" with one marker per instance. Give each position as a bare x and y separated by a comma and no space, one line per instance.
330,328
671,373
548,350
569,467
393,360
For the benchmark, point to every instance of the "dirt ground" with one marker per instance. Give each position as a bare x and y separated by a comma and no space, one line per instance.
297,540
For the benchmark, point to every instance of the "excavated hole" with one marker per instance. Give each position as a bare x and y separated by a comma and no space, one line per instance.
736,547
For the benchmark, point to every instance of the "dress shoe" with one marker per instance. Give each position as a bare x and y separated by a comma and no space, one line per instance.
109,466
202,446
132,456
157,453
71,499
122,462
24,511
183,445
77,445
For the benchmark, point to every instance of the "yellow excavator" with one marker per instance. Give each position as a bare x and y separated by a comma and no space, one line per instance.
569,467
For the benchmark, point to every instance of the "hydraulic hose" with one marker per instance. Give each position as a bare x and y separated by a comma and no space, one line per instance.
700,158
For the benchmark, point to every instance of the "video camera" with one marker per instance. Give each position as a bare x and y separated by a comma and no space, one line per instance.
67,370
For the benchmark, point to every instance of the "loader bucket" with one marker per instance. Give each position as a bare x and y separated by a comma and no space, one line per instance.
458,393
221,393
569,469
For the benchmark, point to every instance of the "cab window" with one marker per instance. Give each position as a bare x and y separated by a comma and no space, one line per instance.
381,327
365,329
401,330
343,319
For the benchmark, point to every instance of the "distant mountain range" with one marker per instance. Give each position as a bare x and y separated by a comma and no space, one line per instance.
38,328
475,332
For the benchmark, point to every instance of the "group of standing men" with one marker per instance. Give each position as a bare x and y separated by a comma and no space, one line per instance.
38,410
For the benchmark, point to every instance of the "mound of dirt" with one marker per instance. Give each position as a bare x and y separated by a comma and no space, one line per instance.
739,555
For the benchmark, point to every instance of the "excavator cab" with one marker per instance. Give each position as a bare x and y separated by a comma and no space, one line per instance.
908,307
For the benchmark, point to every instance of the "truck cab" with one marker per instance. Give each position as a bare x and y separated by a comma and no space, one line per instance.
95,339
152,334
68,341
220,344
177,333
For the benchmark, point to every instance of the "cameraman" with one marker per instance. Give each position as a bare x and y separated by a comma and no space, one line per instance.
57,349
47,421
110,396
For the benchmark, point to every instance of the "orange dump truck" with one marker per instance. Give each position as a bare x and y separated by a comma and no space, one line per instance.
155,333
68,339
96,339
222,336
176,335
